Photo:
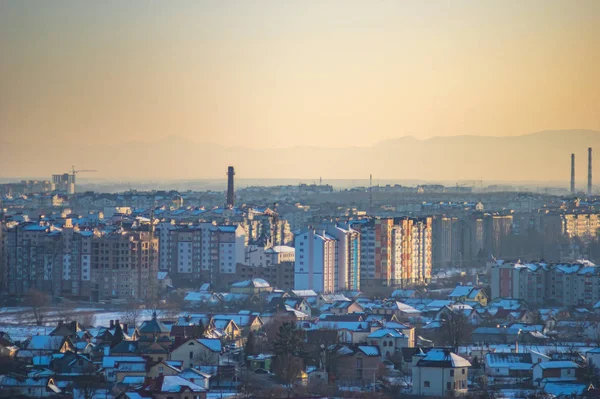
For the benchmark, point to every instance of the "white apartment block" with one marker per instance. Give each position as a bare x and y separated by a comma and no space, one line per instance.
315,262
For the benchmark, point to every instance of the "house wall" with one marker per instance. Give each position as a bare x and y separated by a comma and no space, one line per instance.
433,381
194,353
357,369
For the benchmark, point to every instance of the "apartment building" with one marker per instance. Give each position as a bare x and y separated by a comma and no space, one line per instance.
395,252
375,251
84,264
541,284
315,263
347,268
124,265
201,251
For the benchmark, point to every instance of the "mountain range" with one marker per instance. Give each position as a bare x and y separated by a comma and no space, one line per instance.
542,156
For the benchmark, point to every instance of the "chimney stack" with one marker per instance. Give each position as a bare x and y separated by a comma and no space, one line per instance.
230,194
572,173
589,187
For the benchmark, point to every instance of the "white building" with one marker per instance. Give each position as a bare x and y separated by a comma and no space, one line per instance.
559,370
314,267
347,265
440,372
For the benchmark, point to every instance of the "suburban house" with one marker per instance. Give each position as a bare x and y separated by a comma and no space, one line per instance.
345,307
440,372
496,335
554,370
357,364
197,352
389,341
469,293
508,364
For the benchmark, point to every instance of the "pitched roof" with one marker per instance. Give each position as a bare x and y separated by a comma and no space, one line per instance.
153,326
442,358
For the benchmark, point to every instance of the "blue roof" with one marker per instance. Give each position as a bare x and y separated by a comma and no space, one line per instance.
227,229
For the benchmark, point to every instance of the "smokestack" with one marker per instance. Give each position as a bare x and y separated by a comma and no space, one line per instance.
589,188
230,195
572,173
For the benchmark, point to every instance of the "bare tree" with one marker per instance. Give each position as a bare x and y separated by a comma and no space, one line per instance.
132,315
89,382
455,329
205,358
37,302
64,311
86,319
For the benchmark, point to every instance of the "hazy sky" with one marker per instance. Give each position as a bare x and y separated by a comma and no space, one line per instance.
286,73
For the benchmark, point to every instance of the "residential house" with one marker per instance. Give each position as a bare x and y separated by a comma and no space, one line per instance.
357,364
167,387
197,352
346,307
495,335
440,372
108,365
554,370
389,341
165,368
252,286
509,364
29,387
469,294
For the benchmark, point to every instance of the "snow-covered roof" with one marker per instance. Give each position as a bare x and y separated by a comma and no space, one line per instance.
514,361
386,332
109,361
369,350
304,293
255,282
45,342
565,389
461,290
174,383
442,358
283,249
212,344
558,364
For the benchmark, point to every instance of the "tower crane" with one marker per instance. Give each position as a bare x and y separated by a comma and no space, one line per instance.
74,171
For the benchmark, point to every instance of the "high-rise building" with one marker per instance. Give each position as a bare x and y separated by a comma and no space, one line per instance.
83,264
347,269
447,242
203,251
542,284
315,262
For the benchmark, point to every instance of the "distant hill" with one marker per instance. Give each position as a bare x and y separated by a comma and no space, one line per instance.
542,156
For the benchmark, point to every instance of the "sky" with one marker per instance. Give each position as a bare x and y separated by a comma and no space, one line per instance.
281,74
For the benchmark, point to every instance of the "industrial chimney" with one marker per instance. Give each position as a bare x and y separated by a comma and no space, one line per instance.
589,188
572,173
230,194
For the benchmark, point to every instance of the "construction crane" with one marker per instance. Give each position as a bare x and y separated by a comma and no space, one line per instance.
73,171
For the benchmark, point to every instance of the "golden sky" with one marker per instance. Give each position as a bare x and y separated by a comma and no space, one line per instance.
288,73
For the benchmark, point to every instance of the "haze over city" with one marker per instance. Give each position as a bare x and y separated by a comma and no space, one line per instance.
110,84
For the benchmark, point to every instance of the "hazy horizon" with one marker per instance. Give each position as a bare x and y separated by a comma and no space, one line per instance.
103,85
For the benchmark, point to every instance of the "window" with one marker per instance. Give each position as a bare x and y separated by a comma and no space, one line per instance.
569,372
448,386
451,373
426,384
463,371
191,355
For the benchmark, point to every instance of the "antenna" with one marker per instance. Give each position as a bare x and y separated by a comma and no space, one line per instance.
370,193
